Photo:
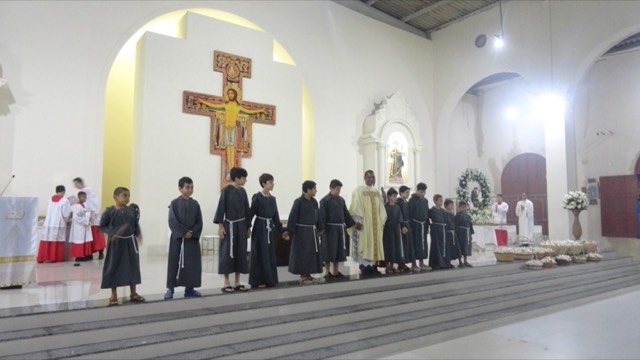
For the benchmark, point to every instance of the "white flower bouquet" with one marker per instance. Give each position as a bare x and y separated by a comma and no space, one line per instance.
575,200
481,216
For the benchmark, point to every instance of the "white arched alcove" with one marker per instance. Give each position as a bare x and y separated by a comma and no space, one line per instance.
391,127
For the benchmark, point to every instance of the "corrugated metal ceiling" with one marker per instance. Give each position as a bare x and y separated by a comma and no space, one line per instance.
424,16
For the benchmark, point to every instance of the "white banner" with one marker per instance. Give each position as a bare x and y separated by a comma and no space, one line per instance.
18,224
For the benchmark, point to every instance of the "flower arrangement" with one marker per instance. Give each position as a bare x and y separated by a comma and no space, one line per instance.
575,200
480,212
481,216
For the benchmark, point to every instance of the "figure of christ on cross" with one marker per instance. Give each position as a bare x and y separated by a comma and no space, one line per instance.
231,118
232,109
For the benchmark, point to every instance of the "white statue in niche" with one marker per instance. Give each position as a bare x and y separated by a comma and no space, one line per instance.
397,158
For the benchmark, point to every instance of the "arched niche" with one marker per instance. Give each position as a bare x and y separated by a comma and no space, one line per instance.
390,144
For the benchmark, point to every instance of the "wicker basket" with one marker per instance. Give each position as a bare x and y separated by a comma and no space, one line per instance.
579,260
590,247
532,267
574,250
548,265
504,257
594,259
562,262
522,256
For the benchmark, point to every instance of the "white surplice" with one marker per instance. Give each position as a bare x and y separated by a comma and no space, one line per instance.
80,225
499,212
524,211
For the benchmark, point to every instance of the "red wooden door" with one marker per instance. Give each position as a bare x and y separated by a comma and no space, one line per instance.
618,205
526,173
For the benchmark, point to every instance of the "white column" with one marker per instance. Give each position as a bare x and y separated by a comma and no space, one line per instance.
556,160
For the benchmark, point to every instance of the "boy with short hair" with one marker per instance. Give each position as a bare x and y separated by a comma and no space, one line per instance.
303,227
184,263
453,249
419,218
232,216
122,262
93,205
464,230
337,219
394,228
438,249
407,241
80,233
263,271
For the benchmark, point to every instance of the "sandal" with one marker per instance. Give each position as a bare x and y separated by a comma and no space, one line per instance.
135,298
240,288
338,275
113,301
227,289
306,281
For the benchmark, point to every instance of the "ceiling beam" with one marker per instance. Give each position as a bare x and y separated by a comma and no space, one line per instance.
366,10
466,16
371,2
424,10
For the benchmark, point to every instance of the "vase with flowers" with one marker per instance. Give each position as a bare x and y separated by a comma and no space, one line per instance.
576,201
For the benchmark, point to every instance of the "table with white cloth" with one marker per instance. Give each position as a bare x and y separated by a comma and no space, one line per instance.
484,243
486,234
18,240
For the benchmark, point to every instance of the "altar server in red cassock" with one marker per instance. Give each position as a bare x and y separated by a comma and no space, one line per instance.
52,246
93,205
80,234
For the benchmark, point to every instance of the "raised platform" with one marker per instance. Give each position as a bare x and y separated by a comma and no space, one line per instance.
346,319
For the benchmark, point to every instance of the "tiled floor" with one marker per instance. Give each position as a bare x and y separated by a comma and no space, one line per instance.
606,329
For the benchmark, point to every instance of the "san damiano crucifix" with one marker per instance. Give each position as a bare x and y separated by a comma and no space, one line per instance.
231,117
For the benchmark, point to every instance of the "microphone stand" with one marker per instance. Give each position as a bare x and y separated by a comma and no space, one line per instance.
6,186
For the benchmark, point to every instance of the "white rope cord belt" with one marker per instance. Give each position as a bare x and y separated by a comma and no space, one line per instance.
231,222
315,234
133,240
344,228
421,231
180,259
444,238
401,246
269,224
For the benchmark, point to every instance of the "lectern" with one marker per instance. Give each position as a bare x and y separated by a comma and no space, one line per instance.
18,240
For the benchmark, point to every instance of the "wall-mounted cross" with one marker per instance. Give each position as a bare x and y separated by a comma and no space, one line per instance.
231,117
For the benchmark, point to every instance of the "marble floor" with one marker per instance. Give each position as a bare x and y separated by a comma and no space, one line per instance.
604,329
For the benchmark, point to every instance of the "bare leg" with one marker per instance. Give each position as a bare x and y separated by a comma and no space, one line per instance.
226,280
336,268
237,279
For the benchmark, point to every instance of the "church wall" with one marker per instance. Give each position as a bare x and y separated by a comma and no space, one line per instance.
58,61
551,53
484,137
605,117
275,149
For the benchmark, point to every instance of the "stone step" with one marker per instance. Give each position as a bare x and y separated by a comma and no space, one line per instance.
312,321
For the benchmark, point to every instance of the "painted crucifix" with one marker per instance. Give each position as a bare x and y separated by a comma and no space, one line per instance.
231,117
